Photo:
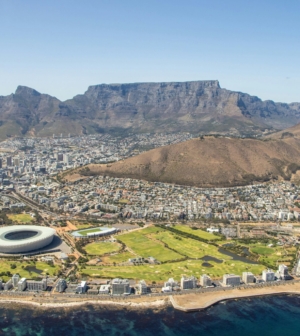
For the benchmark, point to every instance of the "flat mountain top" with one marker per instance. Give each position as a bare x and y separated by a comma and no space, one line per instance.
196,107
208,162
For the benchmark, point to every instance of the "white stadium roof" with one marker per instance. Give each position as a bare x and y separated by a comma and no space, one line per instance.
24,238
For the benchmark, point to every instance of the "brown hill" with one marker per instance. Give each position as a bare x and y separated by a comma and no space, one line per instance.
209,162
292,132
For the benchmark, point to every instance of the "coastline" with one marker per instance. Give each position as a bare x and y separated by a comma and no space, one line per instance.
186,302
126,304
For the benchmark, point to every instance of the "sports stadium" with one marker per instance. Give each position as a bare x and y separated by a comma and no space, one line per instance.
94,232
24,238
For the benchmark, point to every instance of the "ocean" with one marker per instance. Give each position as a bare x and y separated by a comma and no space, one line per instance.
267,316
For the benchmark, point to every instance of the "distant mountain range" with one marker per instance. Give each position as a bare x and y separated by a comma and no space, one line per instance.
196,107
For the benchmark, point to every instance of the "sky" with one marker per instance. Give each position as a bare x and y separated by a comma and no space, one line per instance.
61,47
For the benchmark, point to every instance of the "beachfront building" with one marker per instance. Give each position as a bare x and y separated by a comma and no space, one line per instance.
188,282
231,280
82,287
142,287
205,281
283,272
22,284
37,285
61,285
170,285
15,279
8,285
120,287
104,289
248,277
268,275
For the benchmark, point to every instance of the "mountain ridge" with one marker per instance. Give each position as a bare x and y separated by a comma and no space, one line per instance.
194,106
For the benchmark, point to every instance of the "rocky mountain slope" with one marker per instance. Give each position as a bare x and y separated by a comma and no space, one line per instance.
210,162
199,106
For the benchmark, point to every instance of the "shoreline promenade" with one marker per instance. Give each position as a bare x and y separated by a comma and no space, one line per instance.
194,302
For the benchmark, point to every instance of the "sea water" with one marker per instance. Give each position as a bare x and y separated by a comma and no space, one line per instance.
273,315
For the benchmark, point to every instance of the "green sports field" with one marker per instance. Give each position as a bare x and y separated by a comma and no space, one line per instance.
85,232
100,248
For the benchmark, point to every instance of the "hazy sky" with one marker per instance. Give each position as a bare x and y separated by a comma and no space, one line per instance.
60,47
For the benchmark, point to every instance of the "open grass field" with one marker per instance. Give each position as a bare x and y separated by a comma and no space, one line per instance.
144,245
198,233
100,248
160,273
21,218
27,269
117,258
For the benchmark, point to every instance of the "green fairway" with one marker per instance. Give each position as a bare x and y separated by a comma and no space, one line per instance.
100,248
145,246
160,273
263,250
27,269
199,233
20,218
118,258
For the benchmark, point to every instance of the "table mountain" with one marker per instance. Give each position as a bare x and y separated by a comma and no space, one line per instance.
198,106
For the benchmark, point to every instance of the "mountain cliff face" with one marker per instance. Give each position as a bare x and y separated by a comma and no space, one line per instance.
199,106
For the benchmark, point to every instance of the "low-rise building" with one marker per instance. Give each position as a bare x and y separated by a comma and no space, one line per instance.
37,285
8,285
120,286
205,281
231,280
248,277
104,289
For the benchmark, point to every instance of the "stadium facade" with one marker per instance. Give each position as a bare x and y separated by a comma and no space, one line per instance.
24,238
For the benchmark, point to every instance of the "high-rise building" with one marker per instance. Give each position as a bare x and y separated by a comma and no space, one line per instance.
268,275
82,287
22,284
1,284
15,279
9,161
205,281
188,282
142,287
231,280
16,162
283,272
61,285
248,277
120,286
0,162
